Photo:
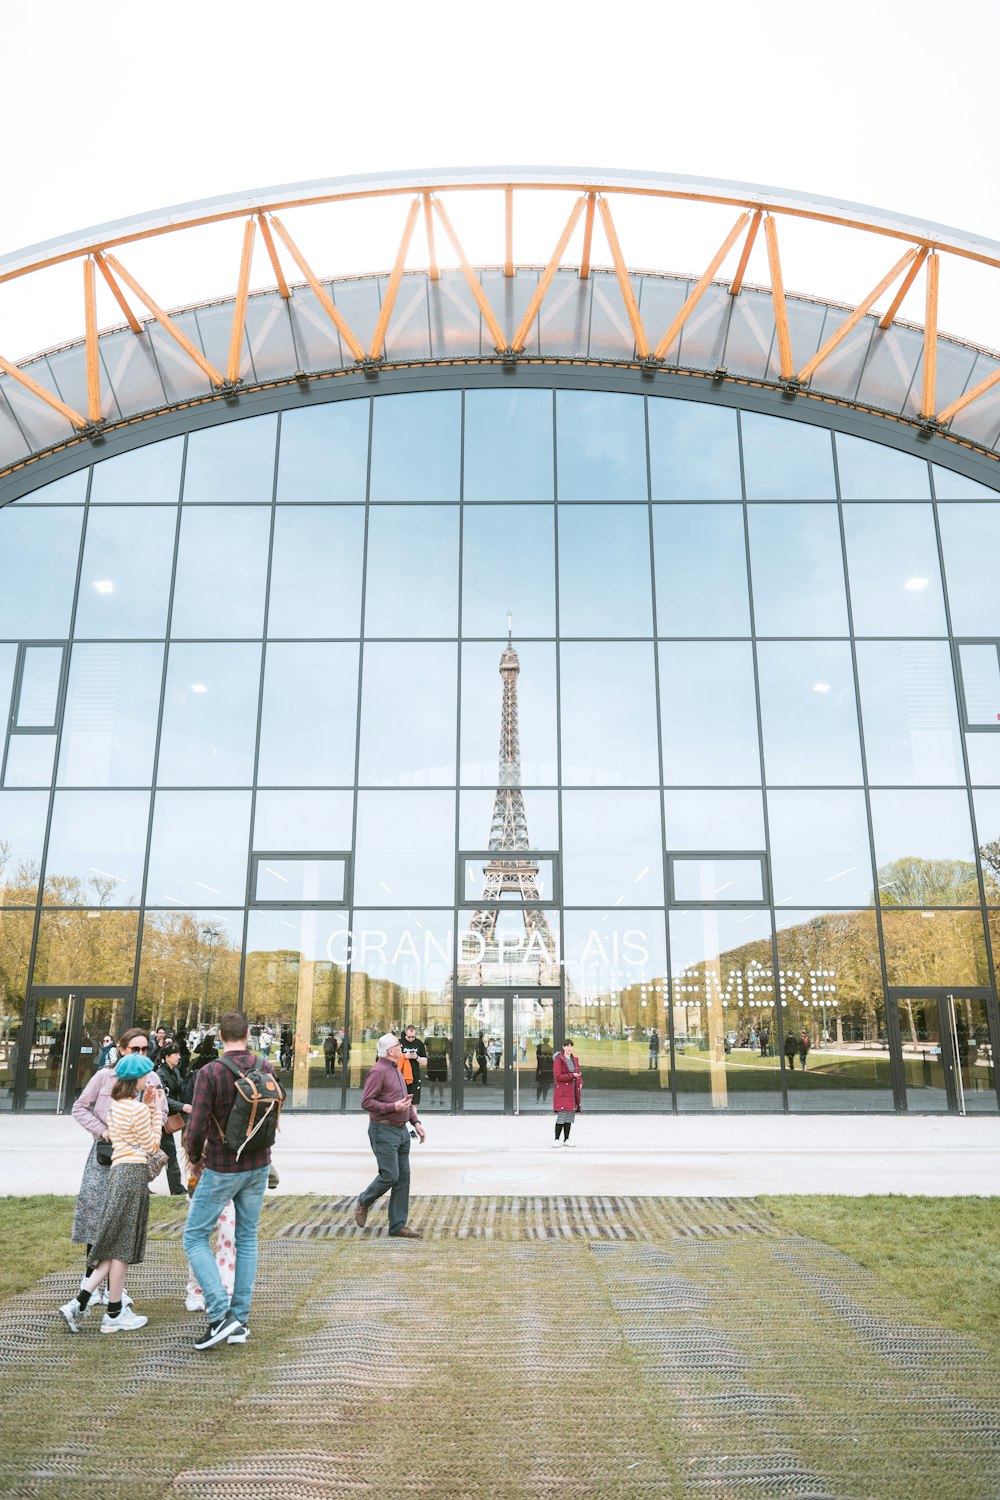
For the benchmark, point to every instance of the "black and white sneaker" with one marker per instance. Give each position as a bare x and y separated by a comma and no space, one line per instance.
220,1332
241,1336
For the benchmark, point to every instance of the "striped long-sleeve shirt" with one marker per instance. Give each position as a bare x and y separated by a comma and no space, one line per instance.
133,1130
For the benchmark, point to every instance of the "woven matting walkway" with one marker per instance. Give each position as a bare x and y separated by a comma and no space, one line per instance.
556,1348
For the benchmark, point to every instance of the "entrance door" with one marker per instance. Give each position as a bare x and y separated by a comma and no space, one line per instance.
504,1050
66,1026
946,1050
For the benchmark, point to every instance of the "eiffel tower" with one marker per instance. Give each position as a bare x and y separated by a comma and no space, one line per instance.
505,875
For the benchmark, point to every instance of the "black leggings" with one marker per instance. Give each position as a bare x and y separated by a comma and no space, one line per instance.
564,1126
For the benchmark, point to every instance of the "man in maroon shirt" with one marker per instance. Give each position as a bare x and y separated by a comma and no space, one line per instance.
390,1112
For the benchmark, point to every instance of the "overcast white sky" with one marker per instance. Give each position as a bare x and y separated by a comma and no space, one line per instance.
121,108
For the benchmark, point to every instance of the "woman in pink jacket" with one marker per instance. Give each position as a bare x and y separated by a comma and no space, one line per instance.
91,1111
567,1083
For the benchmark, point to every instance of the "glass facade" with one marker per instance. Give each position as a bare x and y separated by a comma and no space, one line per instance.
514,714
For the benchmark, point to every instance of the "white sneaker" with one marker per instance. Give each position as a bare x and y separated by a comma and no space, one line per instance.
72,1312
194,1302
124,1323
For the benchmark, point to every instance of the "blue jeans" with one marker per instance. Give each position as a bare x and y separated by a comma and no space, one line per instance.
213,1192
391,1145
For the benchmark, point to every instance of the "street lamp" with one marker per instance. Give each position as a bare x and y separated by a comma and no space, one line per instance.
211,935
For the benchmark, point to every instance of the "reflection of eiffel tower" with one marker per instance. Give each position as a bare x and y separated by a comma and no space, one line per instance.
507,876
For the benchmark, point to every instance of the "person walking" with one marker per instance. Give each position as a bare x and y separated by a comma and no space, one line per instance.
330,1054
134,1123
654,1051
543,1070
169,1073
791,1050
482,1059
414,1053
390,1111
567,1084
804,1045
91,1111
224,1175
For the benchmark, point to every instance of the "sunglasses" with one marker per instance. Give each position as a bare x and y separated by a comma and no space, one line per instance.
134,1048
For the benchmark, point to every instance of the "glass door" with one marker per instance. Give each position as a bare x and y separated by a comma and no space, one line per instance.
66,1027
504,1059
946,1050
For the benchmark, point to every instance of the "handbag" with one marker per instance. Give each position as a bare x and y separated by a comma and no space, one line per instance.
155,1162
173,1123
104,1153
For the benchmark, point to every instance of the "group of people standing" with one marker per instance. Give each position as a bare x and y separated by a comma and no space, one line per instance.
127,1107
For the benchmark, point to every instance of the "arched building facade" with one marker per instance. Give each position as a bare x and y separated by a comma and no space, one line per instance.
440,647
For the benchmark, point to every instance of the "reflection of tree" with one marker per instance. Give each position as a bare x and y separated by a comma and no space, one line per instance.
184,971
928,882
79,946
275,980
990,856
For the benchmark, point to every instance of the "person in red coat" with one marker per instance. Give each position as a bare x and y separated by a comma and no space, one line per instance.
568,1082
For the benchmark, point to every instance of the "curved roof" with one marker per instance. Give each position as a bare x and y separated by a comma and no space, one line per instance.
711,326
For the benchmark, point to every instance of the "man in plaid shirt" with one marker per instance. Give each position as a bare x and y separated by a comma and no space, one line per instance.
224,1178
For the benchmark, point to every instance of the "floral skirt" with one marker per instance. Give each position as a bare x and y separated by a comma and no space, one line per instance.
90,1200
121,1234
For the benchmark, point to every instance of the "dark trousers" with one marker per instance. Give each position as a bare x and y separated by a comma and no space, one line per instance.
169,1145
391,1145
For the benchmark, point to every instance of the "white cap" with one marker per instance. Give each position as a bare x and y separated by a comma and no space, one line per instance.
385,1042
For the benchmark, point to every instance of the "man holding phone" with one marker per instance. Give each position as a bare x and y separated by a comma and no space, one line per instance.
415,1053
386,1100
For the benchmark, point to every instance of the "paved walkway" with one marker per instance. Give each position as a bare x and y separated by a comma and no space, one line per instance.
703,1155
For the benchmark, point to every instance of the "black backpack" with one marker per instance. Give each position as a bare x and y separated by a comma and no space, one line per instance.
253,1119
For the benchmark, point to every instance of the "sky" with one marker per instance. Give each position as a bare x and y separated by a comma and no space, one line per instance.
123,108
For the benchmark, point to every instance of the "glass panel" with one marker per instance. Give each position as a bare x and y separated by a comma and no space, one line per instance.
983,751
323,453
809,715
923,849
616,992
934,947
405,847
127,561
401,969
408,711
871,471
523,1068
951,486
708,709
86,947
981,683
221,572
694,451
601,446
521,877
295,993
611,848
608,709
892,561
604,574
316,571
726,1043
209,715
16,932
724,880
476,811
309,715
233,462
491,588
786,460
109,722
300,880
987,808
798,570
22,831
38,692
8,667
69,491
303,820
507,947
714,820
819,839
189,970
30,760
199,848
701,570
908,713
836,1045
486,701
97,845
970,1031
928,1085
146,476
970,541
412,576
417,446
508,445
39,550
